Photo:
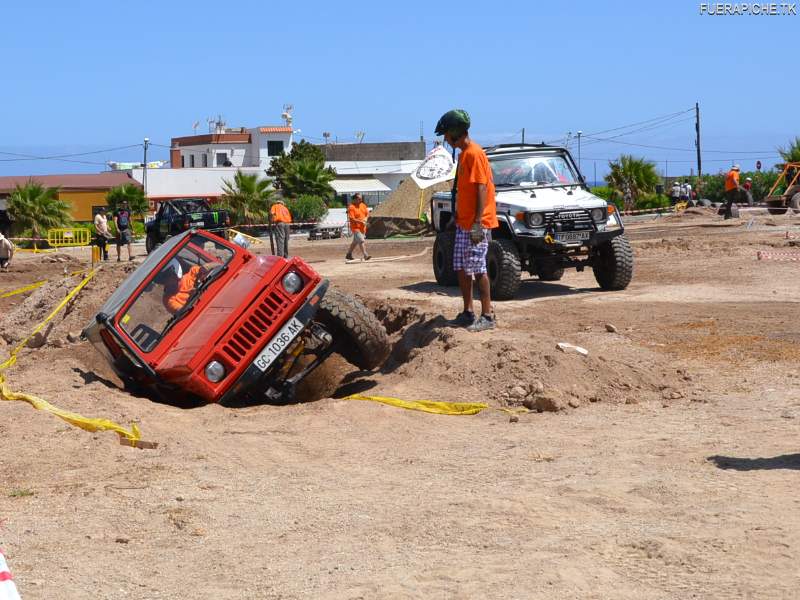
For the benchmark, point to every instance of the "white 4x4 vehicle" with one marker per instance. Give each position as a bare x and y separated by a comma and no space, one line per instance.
548,221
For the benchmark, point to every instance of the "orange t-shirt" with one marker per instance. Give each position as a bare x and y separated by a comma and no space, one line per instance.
473,169
359,212
280,214
178,300
731,180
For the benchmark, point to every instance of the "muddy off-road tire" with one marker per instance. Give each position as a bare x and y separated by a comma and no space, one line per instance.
777,210
358,335
443,258
503,268
548,271
150,242
794,203
613,264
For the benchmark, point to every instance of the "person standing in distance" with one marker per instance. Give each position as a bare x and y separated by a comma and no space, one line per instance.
281,217
476,216
732,190
357,214
122,220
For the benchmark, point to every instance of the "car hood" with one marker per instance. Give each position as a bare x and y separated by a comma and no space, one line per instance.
547,199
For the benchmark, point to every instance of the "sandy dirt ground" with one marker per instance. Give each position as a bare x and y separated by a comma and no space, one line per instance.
665,464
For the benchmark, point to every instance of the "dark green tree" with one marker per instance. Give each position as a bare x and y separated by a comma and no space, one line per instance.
133,194
302,172
791,152
246,198
37,208
632,177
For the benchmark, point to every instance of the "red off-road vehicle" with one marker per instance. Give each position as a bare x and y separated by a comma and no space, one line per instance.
204,320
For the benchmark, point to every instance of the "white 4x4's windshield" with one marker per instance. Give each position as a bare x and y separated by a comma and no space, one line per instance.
532,171
174,289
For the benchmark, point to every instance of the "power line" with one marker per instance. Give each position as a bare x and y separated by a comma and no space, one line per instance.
63,157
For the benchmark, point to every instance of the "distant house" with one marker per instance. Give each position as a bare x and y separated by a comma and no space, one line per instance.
84,193
226,147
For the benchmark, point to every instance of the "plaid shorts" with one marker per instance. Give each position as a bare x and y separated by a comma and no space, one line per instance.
469,257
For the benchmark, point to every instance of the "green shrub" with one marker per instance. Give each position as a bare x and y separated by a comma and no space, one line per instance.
307,208
648,201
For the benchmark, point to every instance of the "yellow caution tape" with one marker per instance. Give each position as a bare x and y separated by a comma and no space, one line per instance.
432,406
34,285
131,437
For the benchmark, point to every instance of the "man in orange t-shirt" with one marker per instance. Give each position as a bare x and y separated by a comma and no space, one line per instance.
732,189
281,217
476,216
357,214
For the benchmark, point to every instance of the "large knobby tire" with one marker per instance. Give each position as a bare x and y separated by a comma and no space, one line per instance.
776,209
150,242
358,335
503,268
794,203
443,258
613,264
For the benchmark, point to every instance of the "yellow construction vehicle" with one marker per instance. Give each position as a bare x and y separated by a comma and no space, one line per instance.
779,203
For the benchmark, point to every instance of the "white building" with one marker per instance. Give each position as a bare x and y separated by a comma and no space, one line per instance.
226,147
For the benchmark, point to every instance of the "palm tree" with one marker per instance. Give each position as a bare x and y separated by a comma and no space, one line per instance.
133,194
308,177
36,207
246,198
791,153
632,177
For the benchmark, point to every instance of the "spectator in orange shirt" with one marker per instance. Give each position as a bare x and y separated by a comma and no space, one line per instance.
281,217
357,214
732,190
476,216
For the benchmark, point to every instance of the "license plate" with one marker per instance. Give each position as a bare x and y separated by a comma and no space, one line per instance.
573,236
278,344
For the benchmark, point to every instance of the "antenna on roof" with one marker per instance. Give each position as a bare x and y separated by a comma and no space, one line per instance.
326,135
195,125
360,136
286,115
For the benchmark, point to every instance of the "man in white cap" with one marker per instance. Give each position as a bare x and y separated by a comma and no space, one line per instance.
6,252
732,189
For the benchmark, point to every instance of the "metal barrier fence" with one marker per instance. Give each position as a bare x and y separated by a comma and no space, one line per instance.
69,237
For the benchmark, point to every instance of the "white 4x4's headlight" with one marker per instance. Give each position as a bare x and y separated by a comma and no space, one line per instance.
535,219
215,371
599,215
292,282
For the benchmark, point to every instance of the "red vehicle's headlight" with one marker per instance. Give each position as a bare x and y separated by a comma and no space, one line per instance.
292,282
215,371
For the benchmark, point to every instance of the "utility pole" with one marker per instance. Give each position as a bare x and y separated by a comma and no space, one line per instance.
144,167
697,143
579,150
594,179
523,136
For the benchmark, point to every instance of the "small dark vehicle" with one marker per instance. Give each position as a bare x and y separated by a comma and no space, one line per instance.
204,320
176,216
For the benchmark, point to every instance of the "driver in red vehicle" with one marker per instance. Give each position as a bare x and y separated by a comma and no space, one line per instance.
178,285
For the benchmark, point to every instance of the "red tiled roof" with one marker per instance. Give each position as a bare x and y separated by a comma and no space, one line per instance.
211,138
275,129
88,181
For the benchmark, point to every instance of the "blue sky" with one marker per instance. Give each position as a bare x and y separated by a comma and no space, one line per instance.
82,76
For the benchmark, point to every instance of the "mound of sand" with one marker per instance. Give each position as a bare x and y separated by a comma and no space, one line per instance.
522,368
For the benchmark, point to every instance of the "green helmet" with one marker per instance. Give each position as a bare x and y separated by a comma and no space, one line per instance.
453,120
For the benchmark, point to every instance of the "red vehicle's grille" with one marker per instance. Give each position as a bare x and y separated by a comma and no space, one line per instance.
254,328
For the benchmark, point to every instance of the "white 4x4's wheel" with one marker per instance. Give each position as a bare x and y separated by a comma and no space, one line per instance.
503,267
443,258
613,263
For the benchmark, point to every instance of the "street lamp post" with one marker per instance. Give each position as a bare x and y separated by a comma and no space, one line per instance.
144,167
579,151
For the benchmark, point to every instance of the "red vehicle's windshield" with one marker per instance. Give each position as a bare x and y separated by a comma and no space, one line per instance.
173,288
